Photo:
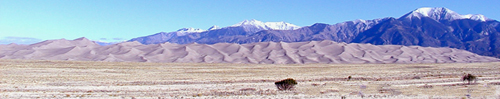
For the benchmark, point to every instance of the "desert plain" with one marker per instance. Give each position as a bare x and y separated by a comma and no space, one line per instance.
137,80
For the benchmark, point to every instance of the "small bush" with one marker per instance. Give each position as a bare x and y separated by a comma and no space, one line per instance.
469,78
286,84
427,86
416,77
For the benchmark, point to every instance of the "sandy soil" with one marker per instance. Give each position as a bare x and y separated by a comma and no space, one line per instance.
324,52
78,79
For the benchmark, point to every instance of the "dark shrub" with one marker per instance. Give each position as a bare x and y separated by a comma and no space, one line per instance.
416,77
427,86
469,78
286,84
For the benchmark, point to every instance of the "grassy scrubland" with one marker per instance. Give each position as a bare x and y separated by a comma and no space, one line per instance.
80,79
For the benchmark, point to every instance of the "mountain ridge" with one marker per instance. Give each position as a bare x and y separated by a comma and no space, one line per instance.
442,14
429,27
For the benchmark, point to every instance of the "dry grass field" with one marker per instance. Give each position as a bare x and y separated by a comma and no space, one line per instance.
79,79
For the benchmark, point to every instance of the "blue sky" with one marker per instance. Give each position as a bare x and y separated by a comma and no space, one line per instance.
27,21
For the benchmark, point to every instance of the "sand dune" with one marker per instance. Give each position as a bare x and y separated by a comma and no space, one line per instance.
262,52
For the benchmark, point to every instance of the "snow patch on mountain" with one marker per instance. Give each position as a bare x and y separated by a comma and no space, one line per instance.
367,23
185,31
478,17
215,27
359,21
440,13
259,25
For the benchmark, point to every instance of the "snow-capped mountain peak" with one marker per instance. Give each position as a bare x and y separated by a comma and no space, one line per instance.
281,26
250,25
427,11
440,14
250,22
256,25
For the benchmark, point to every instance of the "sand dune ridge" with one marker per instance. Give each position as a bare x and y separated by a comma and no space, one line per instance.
262,52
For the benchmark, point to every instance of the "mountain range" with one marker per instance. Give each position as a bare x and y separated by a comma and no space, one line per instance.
425,35
427,27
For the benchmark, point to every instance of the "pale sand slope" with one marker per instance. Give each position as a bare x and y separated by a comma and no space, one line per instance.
263,52
29,79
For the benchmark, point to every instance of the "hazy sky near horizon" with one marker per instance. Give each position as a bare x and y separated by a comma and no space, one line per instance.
116,20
